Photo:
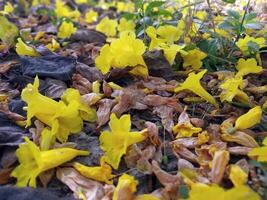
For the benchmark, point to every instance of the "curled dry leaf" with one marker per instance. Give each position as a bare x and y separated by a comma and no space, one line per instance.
166,115
214,133
128,99
5,66
82,187
90,99
240,137
189,143
239,150
153,133
182,151
103,112
169,181
218,165
156,100
82,84
140,159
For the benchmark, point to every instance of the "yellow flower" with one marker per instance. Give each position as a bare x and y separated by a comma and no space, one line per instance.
91,16
169,33
194,59
123,52
116,142
80,1
8,8
126,25
102,173
248,66
125,6
185,129
66,29
202,137
170,51
192,83
200,191
24,50
126,183
107,26
249,119
243,43
62,10
238,176
86,113
53,46
260,152
155,41
33,161
231,88
42,2
63,119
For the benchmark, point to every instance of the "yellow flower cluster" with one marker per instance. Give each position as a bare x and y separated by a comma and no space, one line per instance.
112,56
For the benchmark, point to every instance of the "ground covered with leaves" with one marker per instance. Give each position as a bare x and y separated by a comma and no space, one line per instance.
133,100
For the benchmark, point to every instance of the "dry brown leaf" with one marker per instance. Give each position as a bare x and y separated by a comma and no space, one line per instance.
103,112
166,115
156,100
182,151
5,66
82,187
153,133
219,163
5,175
82,84
239,150
240,137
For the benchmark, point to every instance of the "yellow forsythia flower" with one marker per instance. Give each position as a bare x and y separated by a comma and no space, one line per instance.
192,83
126,25
33,161
243,43
91,16
86,113
102,173
155,41
260,152
231,88
249,119
170,51
53,46
122,52
24,50
126,183
248,66
62,118
169,33
107,26
66,29
115,142
237,175
80,1
62,10
200,191
194,59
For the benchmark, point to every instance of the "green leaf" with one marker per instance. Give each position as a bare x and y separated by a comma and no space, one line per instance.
229,1
8,31
128,16
138,4
226,25
250,16
152,5
234,14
